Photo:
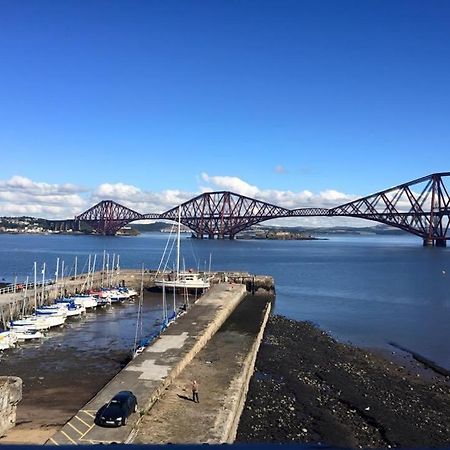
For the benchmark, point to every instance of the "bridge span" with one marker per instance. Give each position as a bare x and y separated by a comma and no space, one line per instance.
420,207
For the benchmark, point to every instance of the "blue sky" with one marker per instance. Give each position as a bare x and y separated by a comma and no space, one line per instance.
166,98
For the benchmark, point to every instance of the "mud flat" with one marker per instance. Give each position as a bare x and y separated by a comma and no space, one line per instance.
308,388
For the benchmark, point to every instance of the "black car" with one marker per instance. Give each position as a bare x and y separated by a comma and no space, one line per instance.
116,412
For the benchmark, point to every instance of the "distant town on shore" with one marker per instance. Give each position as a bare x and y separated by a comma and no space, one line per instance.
32,225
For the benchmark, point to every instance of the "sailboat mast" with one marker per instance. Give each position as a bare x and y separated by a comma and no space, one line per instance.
139,314
89,272
107,270
56,272
103,266
35,285
43,284
164,300
25,297
178,242
93,270
112,270
62,280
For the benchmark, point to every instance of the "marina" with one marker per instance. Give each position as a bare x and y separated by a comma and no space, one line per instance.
203,326
149,374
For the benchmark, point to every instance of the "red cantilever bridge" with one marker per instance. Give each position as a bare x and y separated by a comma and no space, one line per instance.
421,207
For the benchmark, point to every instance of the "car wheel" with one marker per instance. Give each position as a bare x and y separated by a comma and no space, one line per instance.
124,420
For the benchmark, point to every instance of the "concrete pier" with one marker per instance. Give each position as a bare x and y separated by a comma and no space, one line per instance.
153,371
223,369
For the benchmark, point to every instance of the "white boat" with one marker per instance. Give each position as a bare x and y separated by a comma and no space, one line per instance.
69,309
54,320
102,296
28,335
7,339
51,311
76,310
31,323
88,301
185,280
117,296
182,279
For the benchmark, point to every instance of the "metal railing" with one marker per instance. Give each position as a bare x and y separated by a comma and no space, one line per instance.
20,287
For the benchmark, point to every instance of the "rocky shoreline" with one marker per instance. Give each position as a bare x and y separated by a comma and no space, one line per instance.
309,388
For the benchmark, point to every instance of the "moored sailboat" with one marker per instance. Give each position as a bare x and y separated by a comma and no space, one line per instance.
181,279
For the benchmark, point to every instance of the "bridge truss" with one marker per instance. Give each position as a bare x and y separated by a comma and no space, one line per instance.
108,217
421,207
223,214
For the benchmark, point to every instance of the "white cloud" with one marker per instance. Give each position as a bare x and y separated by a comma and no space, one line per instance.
280,169
23,184
233,184
139,200
287,199
22,196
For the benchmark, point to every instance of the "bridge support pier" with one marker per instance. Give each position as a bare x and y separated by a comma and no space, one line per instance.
434,242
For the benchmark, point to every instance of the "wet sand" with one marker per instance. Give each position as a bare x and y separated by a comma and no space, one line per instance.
308,388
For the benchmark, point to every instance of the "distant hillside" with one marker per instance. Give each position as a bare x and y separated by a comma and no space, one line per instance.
377,229
146,227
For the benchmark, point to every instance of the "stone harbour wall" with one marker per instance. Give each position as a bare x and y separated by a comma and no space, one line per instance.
10,396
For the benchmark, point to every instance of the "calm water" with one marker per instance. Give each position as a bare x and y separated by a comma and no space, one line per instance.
367,290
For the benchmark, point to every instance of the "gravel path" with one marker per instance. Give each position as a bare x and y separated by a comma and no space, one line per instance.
309,388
